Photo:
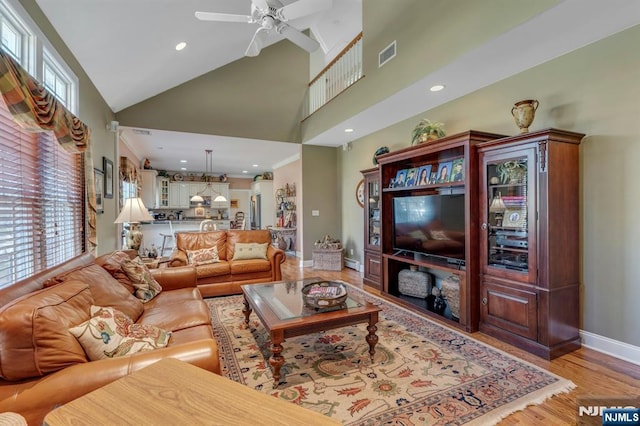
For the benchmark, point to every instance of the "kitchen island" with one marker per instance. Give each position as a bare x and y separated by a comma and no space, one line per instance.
152,231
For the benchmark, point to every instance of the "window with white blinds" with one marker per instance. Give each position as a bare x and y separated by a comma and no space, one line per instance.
41,202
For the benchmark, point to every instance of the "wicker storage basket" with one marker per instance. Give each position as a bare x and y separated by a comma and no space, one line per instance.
451,292
328,259
415,283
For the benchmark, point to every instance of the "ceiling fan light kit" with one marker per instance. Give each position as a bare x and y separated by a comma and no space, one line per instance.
272,19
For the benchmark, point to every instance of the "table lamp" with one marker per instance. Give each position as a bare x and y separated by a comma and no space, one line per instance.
133,213
497,207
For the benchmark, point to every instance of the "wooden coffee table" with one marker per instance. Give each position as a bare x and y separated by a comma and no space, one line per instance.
282,311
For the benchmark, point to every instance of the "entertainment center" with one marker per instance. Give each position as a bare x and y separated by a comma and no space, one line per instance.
433,228
487,227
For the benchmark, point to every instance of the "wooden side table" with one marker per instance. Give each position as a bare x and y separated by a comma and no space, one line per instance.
154,263
173,392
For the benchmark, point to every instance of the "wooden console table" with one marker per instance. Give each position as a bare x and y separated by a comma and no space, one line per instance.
172,392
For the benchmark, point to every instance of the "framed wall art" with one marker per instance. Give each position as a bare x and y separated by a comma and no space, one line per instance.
98,177
107,168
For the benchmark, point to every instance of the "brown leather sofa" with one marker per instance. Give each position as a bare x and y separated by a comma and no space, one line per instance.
42,365
226,276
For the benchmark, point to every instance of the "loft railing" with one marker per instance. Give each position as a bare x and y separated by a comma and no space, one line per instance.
343,71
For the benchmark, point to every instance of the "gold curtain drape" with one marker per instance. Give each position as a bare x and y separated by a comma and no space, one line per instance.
37,110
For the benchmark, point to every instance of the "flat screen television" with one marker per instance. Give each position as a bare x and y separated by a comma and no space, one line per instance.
430,225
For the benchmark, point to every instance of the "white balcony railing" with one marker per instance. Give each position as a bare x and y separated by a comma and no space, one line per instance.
343,71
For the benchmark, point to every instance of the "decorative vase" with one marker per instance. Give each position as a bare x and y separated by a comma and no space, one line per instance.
523,113
379,151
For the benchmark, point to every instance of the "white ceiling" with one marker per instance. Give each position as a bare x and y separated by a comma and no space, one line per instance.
127,49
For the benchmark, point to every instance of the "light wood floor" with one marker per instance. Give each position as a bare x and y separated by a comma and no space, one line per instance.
593,372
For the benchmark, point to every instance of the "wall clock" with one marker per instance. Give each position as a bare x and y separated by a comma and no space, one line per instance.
360,193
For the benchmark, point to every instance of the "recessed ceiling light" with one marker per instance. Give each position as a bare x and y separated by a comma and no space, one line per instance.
255,165
181,45
348,130
183,161
244,171
437,87
183,168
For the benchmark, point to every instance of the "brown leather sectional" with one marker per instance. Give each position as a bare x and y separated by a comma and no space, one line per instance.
226,277
41,363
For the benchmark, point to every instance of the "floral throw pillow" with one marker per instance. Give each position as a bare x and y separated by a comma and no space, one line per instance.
110,333
203,256
244,251
146,287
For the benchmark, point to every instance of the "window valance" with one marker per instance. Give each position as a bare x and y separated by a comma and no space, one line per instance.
35,109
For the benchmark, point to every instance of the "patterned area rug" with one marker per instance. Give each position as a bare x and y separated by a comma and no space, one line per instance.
422,374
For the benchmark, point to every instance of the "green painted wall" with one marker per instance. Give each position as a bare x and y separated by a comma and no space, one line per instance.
321,183
259,98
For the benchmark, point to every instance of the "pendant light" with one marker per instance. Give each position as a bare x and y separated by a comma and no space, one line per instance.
208,170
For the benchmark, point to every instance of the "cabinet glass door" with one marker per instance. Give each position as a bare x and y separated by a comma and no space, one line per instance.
508,214
373,194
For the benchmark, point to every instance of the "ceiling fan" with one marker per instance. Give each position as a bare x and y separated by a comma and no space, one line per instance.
273,19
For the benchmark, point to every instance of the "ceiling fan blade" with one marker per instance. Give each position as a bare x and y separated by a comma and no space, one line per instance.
223,17
298,38
257,43
302,8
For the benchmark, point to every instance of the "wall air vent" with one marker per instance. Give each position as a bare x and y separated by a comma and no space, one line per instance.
387,54
142,132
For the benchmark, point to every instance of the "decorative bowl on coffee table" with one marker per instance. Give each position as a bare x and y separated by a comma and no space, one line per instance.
324,294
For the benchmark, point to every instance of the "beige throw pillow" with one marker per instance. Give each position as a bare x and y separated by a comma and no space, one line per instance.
146,287
245,251
110,333
203,256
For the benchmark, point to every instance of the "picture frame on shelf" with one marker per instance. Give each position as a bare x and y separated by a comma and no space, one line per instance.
424,175
457,170
444,172
412,177
98,177
514,218
400,180
107,167
199,211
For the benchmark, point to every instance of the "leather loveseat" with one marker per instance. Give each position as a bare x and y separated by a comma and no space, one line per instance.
226,274
42,365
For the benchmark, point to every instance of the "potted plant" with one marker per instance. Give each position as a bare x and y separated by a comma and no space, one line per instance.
427,130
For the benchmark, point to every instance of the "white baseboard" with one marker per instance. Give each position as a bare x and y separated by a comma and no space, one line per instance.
615,348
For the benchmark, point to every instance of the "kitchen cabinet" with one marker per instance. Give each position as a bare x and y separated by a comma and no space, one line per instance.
179,195
163,192
148,190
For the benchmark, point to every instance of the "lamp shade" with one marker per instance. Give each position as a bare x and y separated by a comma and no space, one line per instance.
133,211
220,198
497,205
196,199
